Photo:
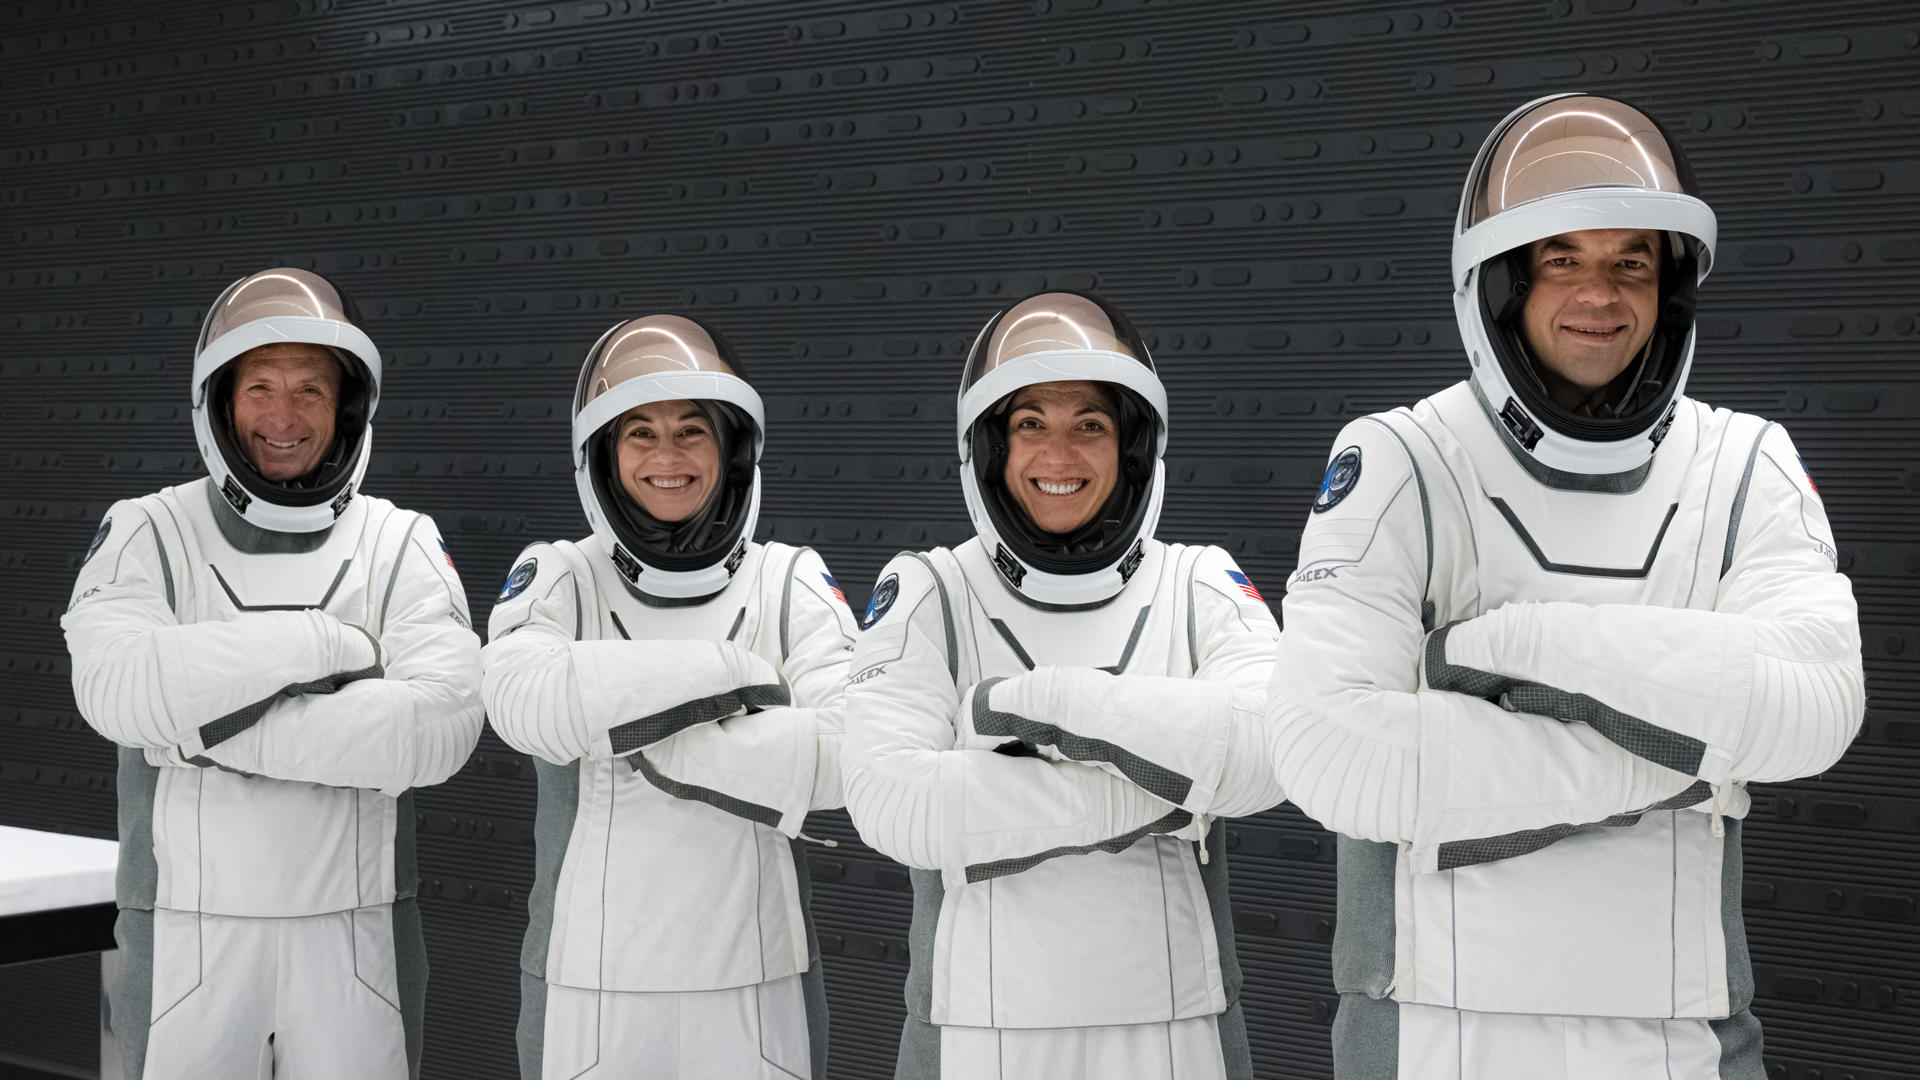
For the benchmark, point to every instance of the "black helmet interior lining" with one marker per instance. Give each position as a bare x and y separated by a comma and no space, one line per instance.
1102,538
706,536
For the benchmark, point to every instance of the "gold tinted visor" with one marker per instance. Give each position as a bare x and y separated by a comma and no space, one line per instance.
647,346
270,294
1570,143
1051,322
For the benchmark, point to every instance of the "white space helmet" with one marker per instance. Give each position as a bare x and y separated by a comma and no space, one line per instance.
267,308
668,358
1062,337
1562,164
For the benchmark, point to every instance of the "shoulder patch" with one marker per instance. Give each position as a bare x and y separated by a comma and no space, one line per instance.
1343,475
1245,586
1796,458
99,537
884,594
518,581
447,555
833,588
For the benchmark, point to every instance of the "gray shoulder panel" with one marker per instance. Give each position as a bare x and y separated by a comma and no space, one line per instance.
946,614
786,600
399,559
166,561
1740,500
1426,522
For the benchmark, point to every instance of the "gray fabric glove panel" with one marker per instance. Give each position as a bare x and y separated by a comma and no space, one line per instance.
1154,779
636,734
1681,753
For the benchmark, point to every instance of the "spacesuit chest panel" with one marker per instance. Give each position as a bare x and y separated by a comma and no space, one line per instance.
1092,939
1531,542
1641,904
658,893
1131,634
234,844
731,615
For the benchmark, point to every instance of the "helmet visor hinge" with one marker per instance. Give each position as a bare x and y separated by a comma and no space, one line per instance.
236,494
1520,425
626,564
1008,566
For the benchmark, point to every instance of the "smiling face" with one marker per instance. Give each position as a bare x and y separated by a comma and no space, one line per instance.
669,457
286,398
1595,296
1063,453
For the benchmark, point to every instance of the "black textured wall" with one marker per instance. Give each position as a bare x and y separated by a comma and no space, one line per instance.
849,189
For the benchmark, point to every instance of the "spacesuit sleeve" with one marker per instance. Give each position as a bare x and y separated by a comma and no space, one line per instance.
775,765
972,814
144,680
1766,686
1361,745
412,727
1198,742
562,699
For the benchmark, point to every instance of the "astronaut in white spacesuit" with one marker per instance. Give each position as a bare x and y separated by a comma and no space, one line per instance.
1546,625
1043,720
679,687
281,657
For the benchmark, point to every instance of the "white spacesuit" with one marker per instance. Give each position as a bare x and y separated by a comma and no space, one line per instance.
280,663
1534,653
679,687
1040,725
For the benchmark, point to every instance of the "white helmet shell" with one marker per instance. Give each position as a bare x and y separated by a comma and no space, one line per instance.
267,308
1060,337
1567,163
638,362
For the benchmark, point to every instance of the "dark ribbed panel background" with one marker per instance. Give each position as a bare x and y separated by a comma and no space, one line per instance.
849,190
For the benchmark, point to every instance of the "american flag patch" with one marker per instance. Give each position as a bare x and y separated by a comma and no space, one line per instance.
447,555
834,588
1808,475
1246,587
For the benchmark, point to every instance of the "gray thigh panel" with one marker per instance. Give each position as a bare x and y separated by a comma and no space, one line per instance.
130,998
1366,1038
1235,1050
919,1051
531,1032
1739,1036
410,975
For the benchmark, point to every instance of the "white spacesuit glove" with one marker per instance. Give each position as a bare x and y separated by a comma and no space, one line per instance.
648,691
1169,736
